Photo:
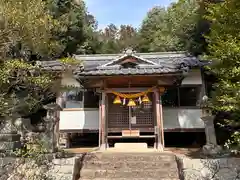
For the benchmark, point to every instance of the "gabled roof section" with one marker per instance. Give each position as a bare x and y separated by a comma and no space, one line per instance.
129,57
130,63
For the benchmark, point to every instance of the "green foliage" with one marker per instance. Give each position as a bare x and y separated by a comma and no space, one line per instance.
114,40
33,162
28,27
152,30
24,87
178,28
224,50
76,25
36,29
69,61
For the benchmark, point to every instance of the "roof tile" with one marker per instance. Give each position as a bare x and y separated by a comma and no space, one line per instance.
168,62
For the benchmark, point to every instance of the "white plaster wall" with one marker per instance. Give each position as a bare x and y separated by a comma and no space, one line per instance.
172,118
182,118
82,119
193,78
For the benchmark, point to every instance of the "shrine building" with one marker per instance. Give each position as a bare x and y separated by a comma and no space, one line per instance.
137,96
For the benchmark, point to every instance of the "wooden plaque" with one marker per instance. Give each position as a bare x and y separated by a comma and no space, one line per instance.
135,133
126,133
130,133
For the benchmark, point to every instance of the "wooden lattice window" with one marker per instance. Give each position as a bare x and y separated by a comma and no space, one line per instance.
118,115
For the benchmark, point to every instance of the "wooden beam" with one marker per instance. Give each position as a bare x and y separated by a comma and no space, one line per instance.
128,90
146,75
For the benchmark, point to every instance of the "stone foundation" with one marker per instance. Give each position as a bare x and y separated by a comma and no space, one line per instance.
58,169
9,138
215,169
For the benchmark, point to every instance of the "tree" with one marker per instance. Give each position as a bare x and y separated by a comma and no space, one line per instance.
184,19
224,51
127,37
76,25
180,27
154,22
108,38
26,29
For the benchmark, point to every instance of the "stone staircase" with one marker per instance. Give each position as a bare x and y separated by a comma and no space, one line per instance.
132,166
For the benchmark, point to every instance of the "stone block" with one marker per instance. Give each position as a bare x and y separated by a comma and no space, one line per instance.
64,161
10,137
60,176
5,146
63,169
7,127
218,168
211,149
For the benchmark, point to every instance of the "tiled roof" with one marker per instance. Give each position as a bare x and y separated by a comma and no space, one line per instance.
158,57
128,71
165,62
55,65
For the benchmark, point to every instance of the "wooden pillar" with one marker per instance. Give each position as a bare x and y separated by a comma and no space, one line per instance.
100,121
161,120
158,128
103,145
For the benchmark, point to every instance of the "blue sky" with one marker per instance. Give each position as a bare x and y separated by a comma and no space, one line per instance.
122,11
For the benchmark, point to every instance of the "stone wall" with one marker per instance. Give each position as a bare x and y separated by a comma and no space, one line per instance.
65,168
58,169
209,169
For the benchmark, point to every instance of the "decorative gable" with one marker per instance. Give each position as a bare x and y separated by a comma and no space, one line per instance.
129,59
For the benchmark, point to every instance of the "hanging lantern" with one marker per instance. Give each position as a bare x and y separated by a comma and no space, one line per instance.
117,100
131,103
145,99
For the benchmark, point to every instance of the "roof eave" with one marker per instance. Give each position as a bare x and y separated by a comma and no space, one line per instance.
180,73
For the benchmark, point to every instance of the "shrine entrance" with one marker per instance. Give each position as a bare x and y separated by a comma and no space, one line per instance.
122,117
133,123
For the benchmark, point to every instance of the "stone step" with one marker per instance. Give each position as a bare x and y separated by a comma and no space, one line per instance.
113,165
115,157
130,174
128,179
133,165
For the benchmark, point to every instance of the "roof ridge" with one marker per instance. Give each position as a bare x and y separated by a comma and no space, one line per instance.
120,54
